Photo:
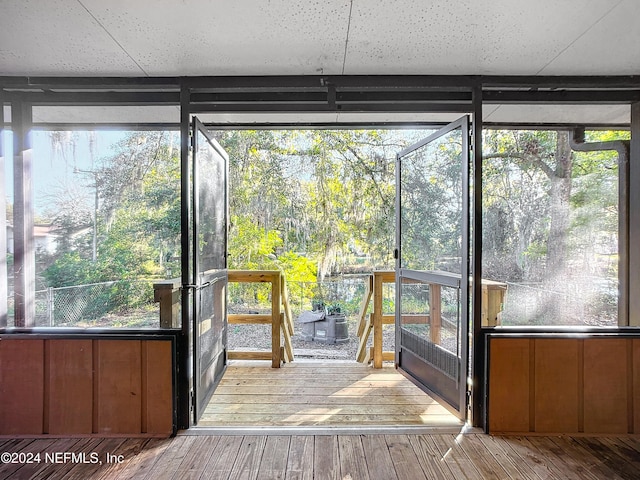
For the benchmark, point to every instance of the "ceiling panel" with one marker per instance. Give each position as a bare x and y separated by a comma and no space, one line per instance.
242,37
57,37
611,46
299,37
468,37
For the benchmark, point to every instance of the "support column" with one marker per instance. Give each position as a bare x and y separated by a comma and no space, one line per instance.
634,218
23,241
3,225
478,373
184,360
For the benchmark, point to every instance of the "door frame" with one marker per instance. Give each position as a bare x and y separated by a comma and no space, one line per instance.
189,88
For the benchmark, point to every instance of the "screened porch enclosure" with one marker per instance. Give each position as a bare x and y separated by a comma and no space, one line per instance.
553,237
583,289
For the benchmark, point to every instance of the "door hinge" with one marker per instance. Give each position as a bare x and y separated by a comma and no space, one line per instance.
192,402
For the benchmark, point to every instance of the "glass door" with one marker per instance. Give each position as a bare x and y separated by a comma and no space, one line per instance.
432,264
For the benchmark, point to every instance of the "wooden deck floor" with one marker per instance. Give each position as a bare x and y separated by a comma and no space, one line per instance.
372,457
335,394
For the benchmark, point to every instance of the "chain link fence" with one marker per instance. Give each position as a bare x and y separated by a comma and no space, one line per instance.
129,303
117,304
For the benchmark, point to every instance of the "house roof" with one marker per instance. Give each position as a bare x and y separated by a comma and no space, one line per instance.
40,230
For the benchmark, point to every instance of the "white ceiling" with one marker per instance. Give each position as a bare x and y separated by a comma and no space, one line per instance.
310,37
303,37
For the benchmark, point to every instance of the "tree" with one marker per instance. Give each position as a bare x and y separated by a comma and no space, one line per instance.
549,215
431,200
138,220
328,194
352,198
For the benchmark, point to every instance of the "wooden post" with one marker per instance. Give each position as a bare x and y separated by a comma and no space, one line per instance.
23,241
276,301
492,300
168,295
377,319
435,312
288,347
281,322
285,305
362,317
373,321
362,356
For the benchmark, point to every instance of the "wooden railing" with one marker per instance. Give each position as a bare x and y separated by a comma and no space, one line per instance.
280,317
492,301
374,321
167,293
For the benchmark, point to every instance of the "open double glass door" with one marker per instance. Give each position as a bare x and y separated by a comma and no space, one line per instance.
432,264
208,265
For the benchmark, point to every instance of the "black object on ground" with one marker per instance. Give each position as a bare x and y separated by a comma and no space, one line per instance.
324,326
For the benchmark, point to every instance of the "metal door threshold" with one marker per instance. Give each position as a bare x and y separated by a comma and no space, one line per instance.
332,430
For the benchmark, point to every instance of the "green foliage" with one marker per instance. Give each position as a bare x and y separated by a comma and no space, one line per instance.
297,268
138,226
328,194
138,217
252,246
70,269
322,202
431,198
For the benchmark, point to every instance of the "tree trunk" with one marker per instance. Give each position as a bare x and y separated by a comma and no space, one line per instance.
560,193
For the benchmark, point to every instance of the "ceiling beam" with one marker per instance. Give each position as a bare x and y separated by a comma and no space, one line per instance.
49,97
320,82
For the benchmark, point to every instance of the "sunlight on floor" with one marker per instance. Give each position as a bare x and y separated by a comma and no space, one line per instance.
335,394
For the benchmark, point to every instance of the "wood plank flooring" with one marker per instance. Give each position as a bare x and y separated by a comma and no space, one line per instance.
368,457
332,394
